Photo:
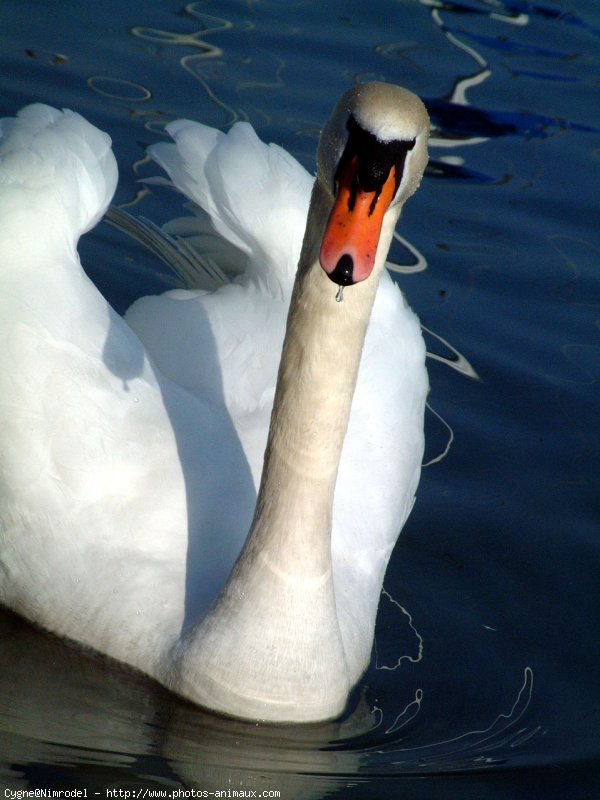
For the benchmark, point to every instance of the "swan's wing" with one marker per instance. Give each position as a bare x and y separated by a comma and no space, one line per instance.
228,341
76,389
82,172
100,534
256,195
189,246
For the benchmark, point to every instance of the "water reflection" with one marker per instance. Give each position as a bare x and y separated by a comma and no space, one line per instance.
53,696
194,64
73,719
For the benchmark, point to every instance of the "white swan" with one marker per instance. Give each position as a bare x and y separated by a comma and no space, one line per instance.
129,463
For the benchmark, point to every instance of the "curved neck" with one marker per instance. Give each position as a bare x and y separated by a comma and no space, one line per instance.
316,381
295,664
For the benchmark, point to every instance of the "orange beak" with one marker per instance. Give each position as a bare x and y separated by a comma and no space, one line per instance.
352,234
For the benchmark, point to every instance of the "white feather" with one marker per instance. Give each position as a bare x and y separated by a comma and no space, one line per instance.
131,450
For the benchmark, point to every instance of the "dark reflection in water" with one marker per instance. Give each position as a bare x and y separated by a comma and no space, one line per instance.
75,720
460,122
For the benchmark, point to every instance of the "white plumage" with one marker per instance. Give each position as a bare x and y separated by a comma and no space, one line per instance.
131,450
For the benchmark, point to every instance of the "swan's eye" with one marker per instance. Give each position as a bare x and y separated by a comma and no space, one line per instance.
375,159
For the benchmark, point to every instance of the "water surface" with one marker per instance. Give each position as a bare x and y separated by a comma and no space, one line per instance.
486,673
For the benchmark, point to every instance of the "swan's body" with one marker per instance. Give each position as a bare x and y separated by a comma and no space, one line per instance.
129,464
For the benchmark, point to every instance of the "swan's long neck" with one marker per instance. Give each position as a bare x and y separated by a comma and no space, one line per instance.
294,665
317,377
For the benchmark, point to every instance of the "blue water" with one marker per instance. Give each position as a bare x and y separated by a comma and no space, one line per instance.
486,677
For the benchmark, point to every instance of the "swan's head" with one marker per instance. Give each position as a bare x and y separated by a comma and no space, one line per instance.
371,158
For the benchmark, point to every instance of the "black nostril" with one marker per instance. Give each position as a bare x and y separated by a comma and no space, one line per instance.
342,274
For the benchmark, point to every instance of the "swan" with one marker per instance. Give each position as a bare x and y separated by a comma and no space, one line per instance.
137,516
